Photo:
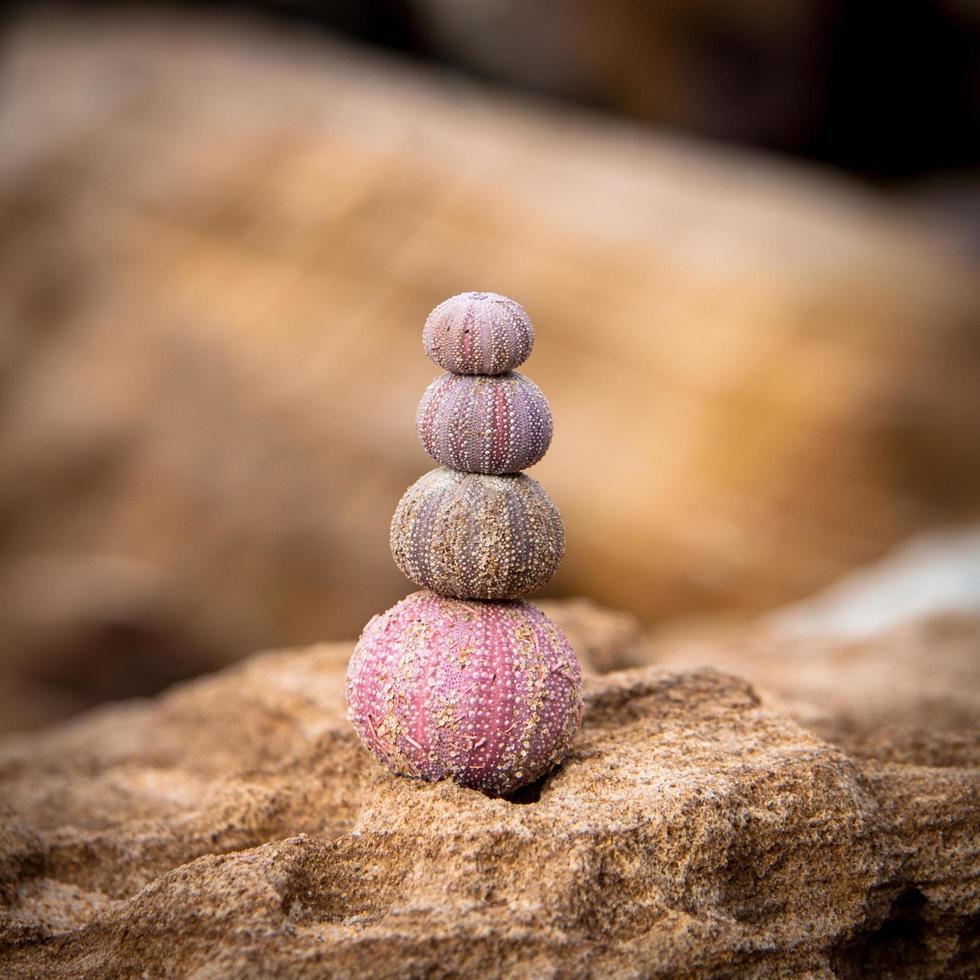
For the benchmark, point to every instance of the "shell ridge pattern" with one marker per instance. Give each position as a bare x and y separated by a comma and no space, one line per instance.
477,537
463,678
492,425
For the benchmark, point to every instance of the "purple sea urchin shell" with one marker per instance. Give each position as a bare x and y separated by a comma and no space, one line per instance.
484,424
489,694
478,333
472,536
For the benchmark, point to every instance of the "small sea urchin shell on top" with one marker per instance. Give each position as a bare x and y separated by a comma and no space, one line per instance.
489,694
484,424
478,333
477,537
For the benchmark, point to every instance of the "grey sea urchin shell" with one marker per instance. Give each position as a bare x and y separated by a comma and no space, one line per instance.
472,536
478,333
484,424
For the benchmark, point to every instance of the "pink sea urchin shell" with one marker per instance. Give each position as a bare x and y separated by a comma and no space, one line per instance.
477,537
484,424
478,333
489,694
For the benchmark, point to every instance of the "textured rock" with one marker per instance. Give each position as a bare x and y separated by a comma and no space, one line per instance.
487,693
910,693
477,537
235,827
484,425
478,333
883,663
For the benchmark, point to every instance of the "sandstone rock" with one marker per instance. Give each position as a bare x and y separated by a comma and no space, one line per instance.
233,826
884,663
219,248
910,695
933,573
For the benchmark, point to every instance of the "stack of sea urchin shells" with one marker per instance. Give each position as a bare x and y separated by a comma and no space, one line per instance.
463,679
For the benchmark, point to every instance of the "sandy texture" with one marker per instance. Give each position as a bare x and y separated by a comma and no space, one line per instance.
234,826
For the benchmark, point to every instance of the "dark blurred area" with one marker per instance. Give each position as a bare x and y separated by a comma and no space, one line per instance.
746,234
885,90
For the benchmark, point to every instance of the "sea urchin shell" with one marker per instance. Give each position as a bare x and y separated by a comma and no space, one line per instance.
478,333
489,694
477,537
484,425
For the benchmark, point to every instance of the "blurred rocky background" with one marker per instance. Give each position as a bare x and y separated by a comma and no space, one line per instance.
746,234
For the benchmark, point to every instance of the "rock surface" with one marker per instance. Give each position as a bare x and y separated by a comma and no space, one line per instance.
234,826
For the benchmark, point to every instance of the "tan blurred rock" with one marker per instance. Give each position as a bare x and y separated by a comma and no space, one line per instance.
218,251
911,693
604,639
884,663
234,826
